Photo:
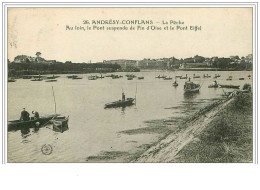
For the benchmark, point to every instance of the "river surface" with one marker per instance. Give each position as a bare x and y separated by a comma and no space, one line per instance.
98,134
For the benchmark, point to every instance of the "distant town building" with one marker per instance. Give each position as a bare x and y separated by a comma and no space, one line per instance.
29,59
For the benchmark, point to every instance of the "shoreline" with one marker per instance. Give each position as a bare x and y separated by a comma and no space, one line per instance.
167,149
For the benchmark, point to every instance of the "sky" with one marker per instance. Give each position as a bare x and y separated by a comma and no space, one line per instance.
224,32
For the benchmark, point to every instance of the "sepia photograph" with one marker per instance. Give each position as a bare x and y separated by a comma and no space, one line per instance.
130,84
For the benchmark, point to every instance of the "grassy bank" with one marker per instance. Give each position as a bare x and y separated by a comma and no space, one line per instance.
228,137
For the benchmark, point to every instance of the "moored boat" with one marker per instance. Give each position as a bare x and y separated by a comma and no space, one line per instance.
51,80
130,75
100,77
229,86
72,76
194,76
167,78
92,77
76,78
181,77
60,124
160,77
206,76
52,77
216,76
37,79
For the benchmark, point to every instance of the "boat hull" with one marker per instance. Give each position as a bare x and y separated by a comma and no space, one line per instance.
229,86
192,90
127,102
17,124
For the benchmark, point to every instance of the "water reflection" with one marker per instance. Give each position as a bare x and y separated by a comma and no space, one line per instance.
190,96
25,132
36,129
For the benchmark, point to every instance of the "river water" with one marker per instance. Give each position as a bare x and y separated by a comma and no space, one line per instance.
98,134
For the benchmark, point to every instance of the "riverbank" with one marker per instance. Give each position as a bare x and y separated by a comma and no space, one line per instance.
221,132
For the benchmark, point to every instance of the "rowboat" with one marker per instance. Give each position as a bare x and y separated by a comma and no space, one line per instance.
18,124
191,87
229,86
37,79
51,80
76,78
100,77
120,103
52,77
72,76
160,77
130,75
175,84
206,76
213,86
92,78
60,124
216,76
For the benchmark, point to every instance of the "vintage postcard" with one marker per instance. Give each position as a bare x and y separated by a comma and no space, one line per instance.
130,84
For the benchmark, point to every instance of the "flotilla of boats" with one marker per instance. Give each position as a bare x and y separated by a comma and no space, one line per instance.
60,123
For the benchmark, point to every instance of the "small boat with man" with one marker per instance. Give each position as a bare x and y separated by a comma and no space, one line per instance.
191,87
175,83
121,103
160,77
167,78
214,85
194,76
206,76
186,77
